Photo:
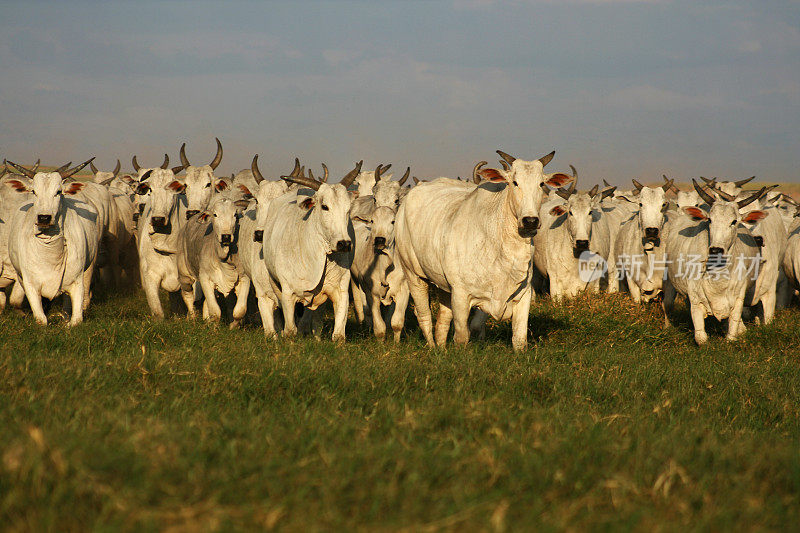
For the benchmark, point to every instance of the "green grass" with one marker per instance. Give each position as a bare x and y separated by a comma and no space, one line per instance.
606,422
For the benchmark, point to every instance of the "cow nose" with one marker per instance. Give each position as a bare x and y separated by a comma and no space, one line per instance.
43,220
715,250
343,246
530,223
380,242
759,241
136,216
258,235
651,233
582,244
225,238
191,212
158,222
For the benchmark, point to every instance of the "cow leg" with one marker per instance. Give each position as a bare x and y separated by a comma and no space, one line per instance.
358,300
187,295
378,325
2,299
17,295
150,287
399,314
768,302
635,290
699,322
76,293
242,291
443,319
288,300
460,306
613,275
735,323
35,301
210,301
477,326
87,285
422,307
667,302
782,294
341,302
266,308
519,321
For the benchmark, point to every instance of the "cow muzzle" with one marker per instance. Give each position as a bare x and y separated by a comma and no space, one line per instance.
159,222
759,241
651,233
343,246
258,235
582,245
528,226
226,239
716,257
379,243
44,220
191,212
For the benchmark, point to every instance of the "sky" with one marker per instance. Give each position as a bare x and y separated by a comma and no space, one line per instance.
619,88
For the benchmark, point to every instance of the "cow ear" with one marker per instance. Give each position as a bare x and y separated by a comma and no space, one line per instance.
245,191
558,210
241,204
695,212
176,186
754,216
221,185
492,174
308,203
558,180
74,187
18,185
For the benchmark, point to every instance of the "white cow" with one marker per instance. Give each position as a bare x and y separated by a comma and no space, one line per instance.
141,194
15,190
713,259
474,244
365,181
308,248
53,243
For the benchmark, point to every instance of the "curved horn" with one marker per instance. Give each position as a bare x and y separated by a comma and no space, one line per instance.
116,168
380,170
416,180
296,170
593,191
35,166
506,167
546,159
175,170
25,171
475,177
707,198
563,193
708,181
607,192
254,168
135,163
607,184
94,168
184,159
741,183
508,159
405,176
751,199
302,180
63,167
311,175
574,173
165,164
217,158
325,173
351,176
74,170
638,185
725,196
107,181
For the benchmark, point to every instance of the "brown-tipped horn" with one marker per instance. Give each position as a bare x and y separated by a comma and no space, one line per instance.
107,181
184,159
607,192
742,183
135,164
507,158
405,176
574,172
752,198
351,176
25,171
546,159
638,185
667,184
416,180
94,168
708,181
593,191
707,198
74,170
296,170
254,168
303,181
63,167
165,164
311,175
302,172
380,170
325,173
116,168
35,166
607,184
564,193
505,165
475,177
217,158
175,170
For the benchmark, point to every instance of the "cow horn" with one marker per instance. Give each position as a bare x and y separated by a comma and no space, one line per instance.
546,159
475,177
63,167
304,181
25,171
416,180
672,186
741,183
107,181
4,171
725,196
311,175
752,198
296,168
217,158
165,164
508,159
607,184
254,168
380,170
94,168
325,173
638,185
708,181
302,172
116,168
177,169
564,193
351,176
609,191
35,166
135,163
574,173
74,170
184,159
707,198
405,176
505,165
593,191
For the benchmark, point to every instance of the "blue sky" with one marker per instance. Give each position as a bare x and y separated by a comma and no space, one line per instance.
619,88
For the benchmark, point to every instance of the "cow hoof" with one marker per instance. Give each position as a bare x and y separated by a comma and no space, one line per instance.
701,338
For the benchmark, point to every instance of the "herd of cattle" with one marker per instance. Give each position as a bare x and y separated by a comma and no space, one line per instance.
487,244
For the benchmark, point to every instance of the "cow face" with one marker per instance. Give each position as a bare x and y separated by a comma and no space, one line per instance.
652,205
331,207
382,228
267,191
580,213
224,222
525,181
200,186
48,189
723,227
688,199
386,193
163,199
365,181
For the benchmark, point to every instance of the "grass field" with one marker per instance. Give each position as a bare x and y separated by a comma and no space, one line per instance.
607,421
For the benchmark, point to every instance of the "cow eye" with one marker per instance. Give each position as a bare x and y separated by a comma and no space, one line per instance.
640,204
208,185
733,223
34,192
392,222
515,183
324,207
570,212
